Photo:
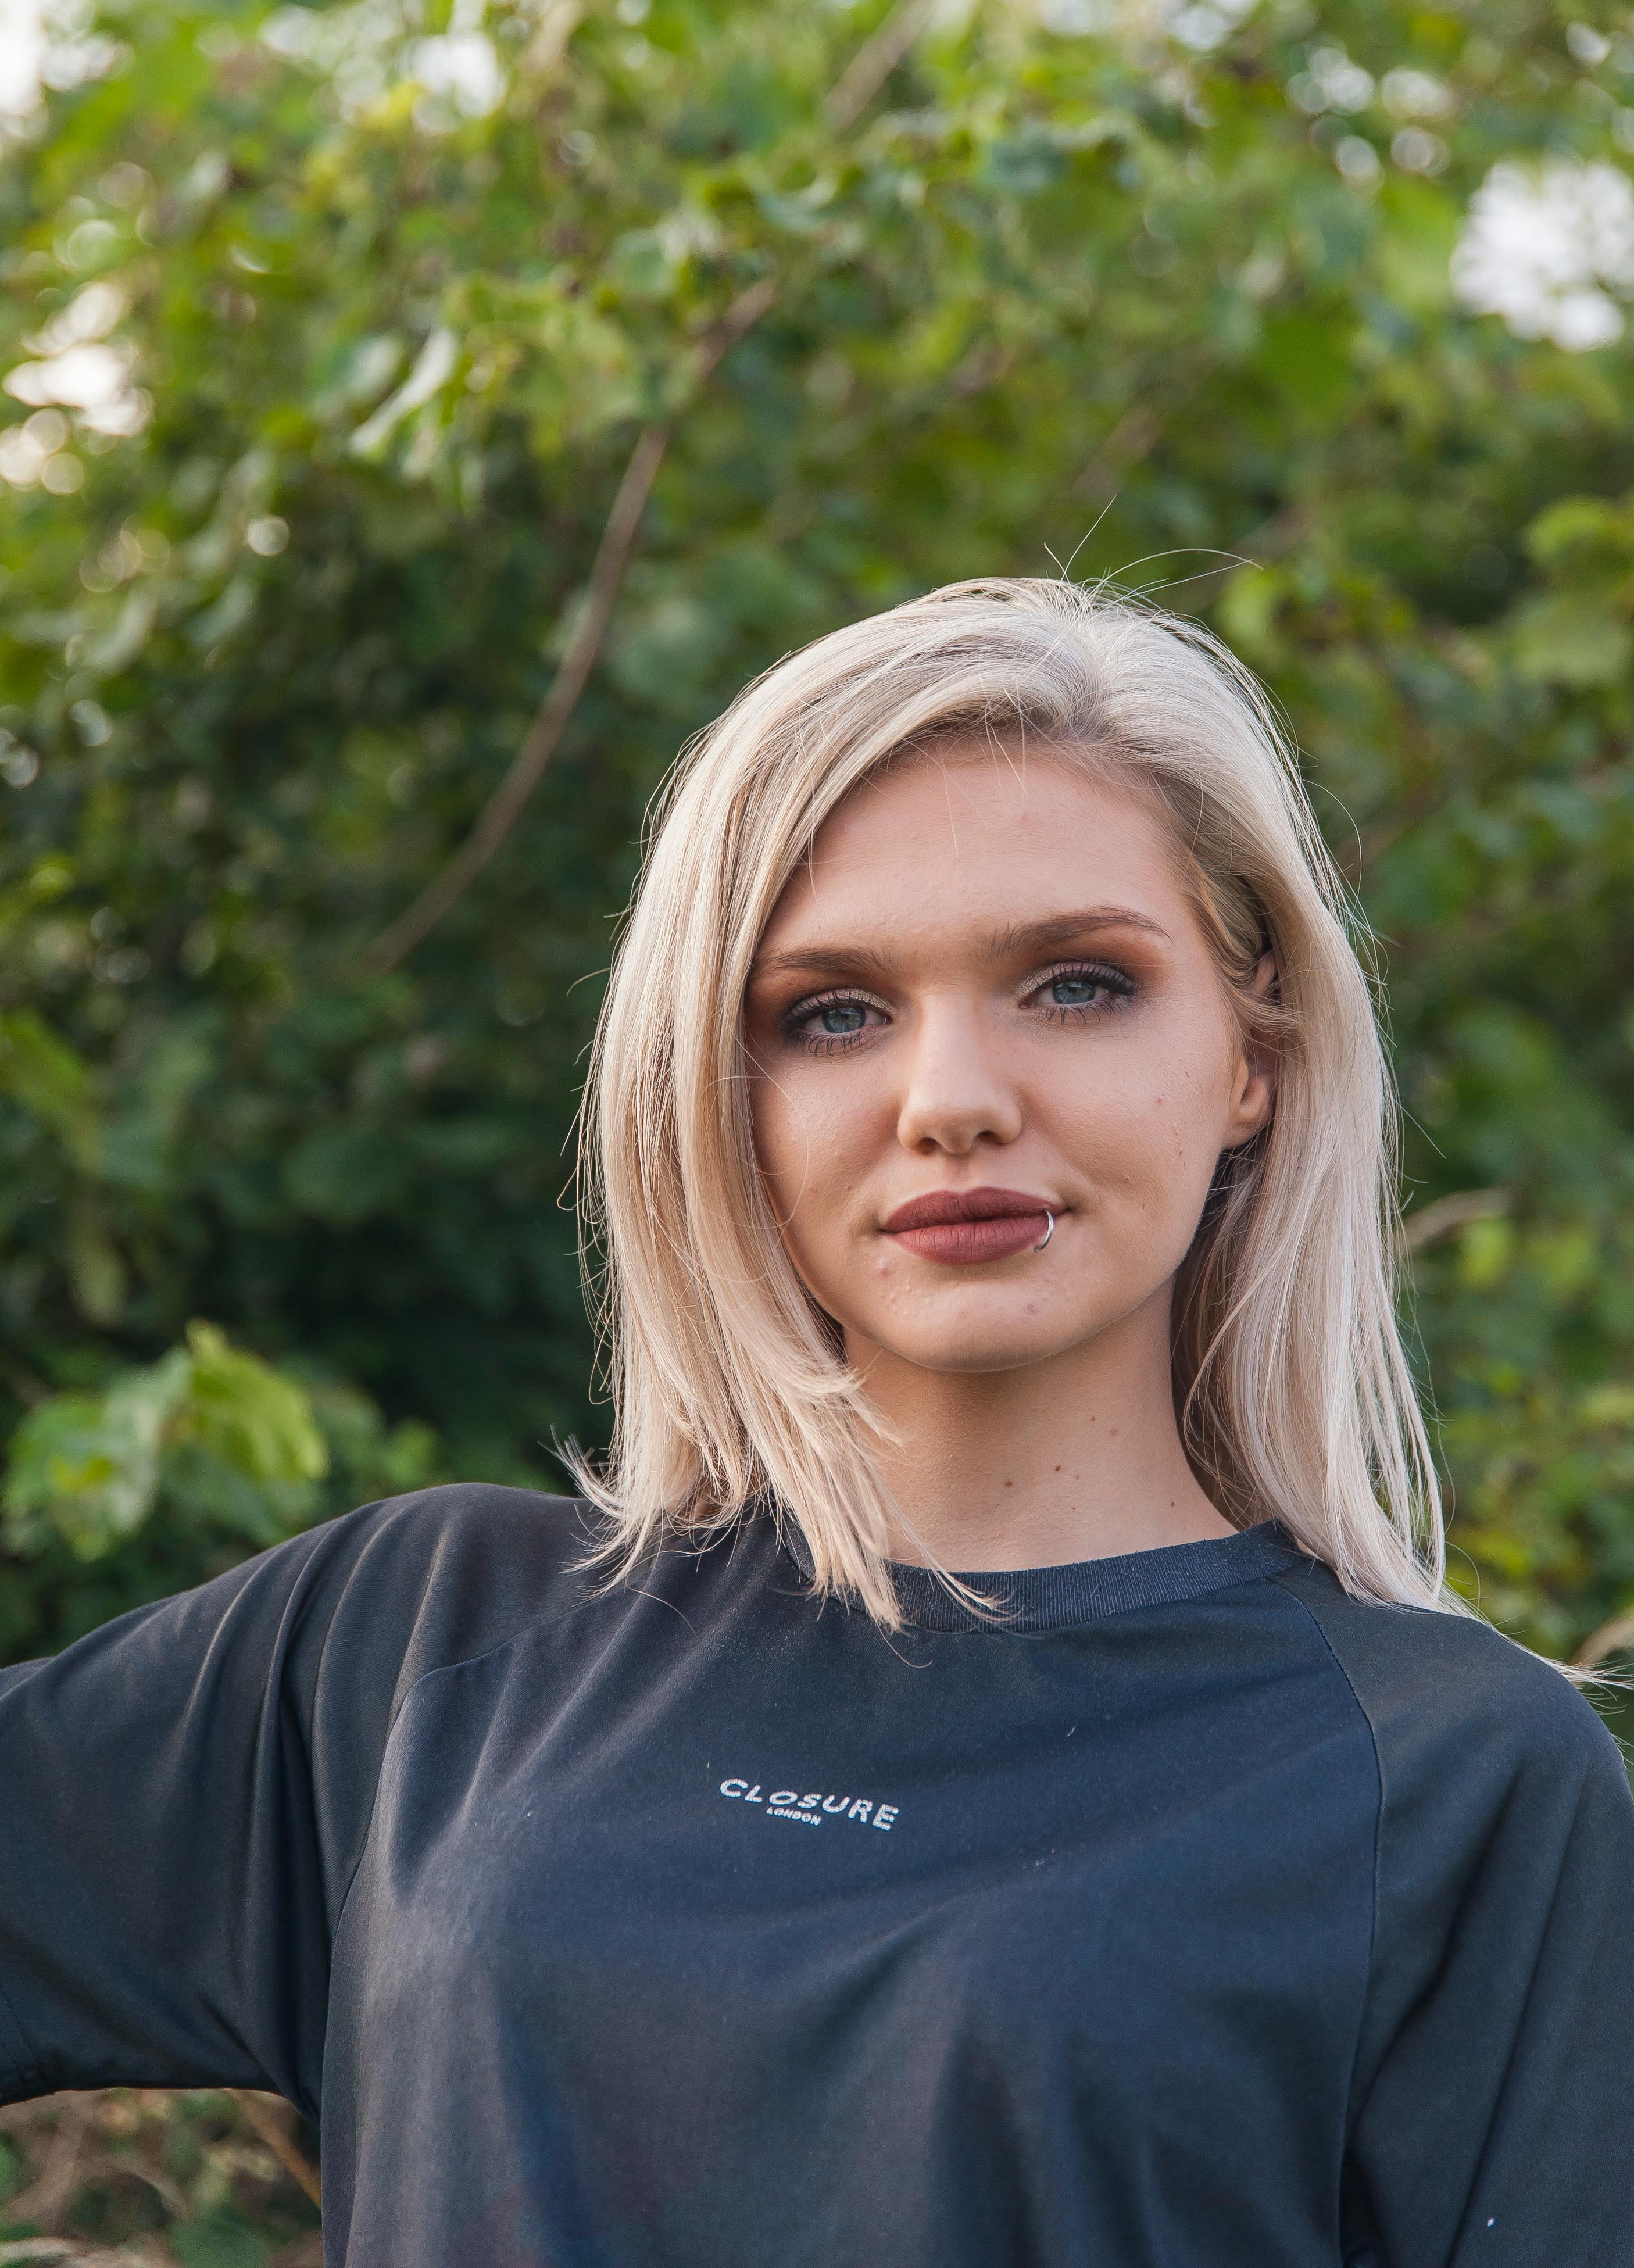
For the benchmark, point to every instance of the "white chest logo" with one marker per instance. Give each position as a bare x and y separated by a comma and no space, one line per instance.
810,1810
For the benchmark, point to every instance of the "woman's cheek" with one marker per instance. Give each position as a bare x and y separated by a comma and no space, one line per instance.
841,1130
1110,1136
808,1153
789,1137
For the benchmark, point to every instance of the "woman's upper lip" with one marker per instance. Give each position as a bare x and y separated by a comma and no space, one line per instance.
937,1208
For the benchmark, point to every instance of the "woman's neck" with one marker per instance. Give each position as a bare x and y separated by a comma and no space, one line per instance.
1077,1458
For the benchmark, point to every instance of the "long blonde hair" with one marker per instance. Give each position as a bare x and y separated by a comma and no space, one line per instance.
1295,1397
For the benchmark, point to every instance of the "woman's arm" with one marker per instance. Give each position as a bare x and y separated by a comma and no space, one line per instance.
184,1794
1493,2117
162,1871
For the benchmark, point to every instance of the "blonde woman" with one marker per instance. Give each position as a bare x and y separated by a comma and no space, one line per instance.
988,1773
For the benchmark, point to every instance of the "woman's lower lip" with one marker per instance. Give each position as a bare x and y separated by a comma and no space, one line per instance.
960,1243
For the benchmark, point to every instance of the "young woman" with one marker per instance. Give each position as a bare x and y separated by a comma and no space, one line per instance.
1010,1788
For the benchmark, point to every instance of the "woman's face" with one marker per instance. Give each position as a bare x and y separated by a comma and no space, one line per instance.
987,999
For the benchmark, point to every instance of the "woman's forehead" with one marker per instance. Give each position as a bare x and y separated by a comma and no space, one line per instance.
971,833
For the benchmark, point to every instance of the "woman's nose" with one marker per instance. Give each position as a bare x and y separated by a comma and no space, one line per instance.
957,1092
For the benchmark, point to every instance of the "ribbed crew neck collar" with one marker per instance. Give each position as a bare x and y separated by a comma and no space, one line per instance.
1032,1599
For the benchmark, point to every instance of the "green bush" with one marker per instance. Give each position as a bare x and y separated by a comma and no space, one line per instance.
178,1468
328,336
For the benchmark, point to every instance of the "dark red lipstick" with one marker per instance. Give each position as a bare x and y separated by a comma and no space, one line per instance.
962,1227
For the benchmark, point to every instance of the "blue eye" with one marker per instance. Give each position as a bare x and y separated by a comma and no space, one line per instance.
1080,995
826,1027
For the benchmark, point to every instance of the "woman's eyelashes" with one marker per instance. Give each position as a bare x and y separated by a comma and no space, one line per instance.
1078,989
832,1021
1073,992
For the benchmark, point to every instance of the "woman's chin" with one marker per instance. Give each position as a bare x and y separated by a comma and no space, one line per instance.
966,1349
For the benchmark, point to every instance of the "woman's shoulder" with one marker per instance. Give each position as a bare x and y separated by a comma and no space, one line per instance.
1434,1681
454,1570
460,1520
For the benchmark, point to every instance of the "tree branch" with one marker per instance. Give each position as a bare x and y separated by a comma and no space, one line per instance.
1427,1225
501,812
851,93
268,2122
874,62
1613,1636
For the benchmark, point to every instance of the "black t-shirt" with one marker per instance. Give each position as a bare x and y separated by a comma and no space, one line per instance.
1197,1917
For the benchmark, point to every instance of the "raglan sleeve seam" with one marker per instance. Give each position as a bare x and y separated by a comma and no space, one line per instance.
438,1669
1376,1897
307,1701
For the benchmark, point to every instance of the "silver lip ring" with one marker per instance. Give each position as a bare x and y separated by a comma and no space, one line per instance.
1048,1233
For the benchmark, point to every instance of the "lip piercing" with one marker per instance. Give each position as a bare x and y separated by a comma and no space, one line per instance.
1048,1233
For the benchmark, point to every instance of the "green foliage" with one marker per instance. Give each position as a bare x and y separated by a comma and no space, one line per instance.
222,1435
380,312
176,1469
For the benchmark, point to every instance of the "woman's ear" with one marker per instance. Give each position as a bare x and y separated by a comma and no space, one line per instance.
1254,1074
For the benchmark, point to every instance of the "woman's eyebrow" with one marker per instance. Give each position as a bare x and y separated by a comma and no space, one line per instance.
1040,936
825,959
1062,929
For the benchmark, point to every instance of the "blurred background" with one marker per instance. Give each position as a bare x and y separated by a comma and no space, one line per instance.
418,416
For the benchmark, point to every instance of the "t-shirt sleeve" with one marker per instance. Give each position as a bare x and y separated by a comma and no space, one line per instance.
1493,2117
185,1793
